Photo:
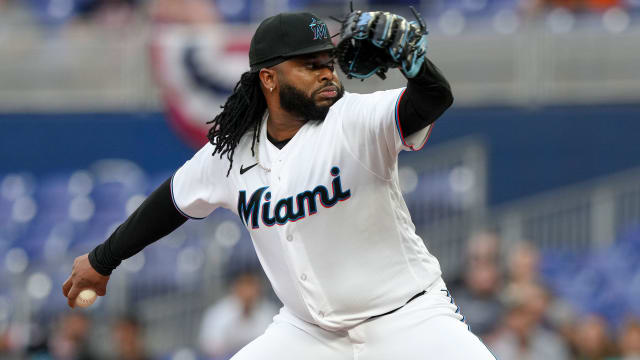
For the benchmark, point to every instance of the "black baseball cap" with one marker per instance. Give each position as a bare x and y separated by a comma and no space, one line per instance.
286,35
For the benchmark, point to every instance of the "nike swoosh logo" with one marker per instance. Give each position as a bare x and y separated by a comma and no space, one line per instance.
244,170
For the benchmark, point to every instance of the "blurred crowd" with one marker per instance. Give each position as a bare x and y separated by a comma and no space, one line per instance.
500,291
507,303
69,336
116,13
579,5
226,326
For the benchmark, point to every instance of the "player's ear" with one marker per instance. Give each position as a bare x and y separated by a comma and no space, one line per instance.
268,78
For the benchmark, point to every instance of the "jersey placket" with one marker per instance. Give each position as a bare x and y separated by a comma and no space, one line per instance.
292,240
305,277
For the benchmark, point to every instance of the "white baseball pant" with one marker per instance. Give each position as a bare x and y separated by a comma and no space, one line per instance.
429,327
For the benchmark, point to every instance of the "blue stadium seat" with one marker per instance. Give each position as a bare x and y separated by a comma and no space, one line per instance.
239,11
53,12
604,281
156,180
477,8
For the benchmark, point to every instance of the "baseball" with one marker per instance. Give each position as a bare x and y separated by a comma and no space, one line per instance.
86,298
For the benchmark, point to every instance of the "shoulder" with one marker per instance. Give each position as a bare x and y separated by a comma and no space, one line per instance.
377,98
347,98
208,151
372,95
370,107
244,142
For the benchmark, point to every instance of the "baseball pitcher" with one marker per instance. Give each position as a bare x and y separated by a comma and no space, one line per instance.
312,172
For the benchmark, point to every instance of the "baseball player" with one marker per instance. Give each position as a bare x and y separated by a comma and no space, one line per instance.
312,172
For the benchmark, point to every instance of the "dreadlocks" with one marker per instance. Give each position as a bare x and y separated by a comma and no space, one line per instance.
243,110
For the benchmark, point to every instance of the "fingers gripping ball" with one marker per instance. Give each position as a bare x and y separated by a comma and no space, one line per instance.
86,298
373,42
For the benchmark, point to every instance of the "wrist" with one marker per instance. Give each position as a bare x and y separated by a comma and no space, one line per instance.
416,75
96,259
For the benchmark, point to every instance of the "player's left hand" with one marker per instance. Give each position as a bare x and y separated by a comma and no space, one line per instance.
373,42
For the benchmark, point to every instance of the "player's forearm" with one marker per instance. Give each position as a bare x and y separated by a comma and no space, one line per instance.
154,219
428,95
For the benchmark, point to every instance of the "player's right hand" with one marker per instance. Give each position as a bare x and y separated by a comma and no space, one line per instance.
83,276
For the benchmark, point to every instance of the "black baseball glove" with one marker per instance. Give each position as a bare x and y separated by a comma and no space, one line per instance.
374,42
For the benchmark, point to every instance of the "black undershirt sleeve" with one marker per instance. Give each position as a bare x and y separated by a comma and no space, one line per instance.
155,218
427,96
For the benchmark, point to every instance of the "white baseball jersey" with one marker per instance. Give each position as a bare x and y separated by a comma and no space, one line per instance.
325,212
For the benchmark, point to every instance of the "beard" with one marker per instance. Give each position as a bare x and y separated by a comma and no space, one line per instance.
296,102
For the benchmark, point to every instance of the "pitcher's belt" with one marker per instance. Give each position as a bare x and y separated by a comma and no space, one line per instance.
396,309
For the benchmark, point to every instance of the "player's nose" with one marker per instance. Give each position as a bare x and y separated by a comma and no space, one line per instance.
326,74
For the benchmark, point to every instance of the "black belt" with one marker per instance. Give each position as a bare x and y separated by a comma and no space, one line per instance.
396,309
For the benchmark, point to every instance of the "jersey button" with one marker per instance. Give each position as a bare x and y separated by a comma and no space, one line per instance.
321,314
289,237
303,277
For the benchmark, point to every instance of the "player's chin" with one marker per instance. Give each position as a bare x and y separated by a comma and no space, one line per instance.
325,103
326,99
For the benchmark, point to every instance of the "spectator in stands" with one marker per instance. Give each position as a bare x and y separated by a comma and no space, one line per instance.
523,265
577,5
522,335
128,339
37,344
591,339
484,247
69,338
567,4
5,343
629,341
238,318
480,247
523,272
561,317
112,13
477,295
602,5
183,12
535,8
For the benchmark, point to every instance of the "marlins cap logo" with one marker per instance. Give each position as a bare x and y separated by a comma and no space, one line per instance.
319,29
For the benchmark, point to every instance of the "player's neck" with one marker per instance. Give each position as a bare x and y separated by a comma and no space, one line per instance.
281,125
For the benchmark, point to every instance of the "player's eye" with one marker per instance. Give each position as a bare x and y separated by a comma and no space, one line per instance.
331,65
313,66
317,66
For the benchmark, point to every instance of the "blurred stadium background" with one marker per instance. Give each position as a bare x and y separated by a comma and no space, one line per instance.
528,192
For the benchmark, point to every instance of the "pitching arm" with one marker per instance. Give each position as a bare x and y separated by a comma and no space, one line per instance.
154,219
195,190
